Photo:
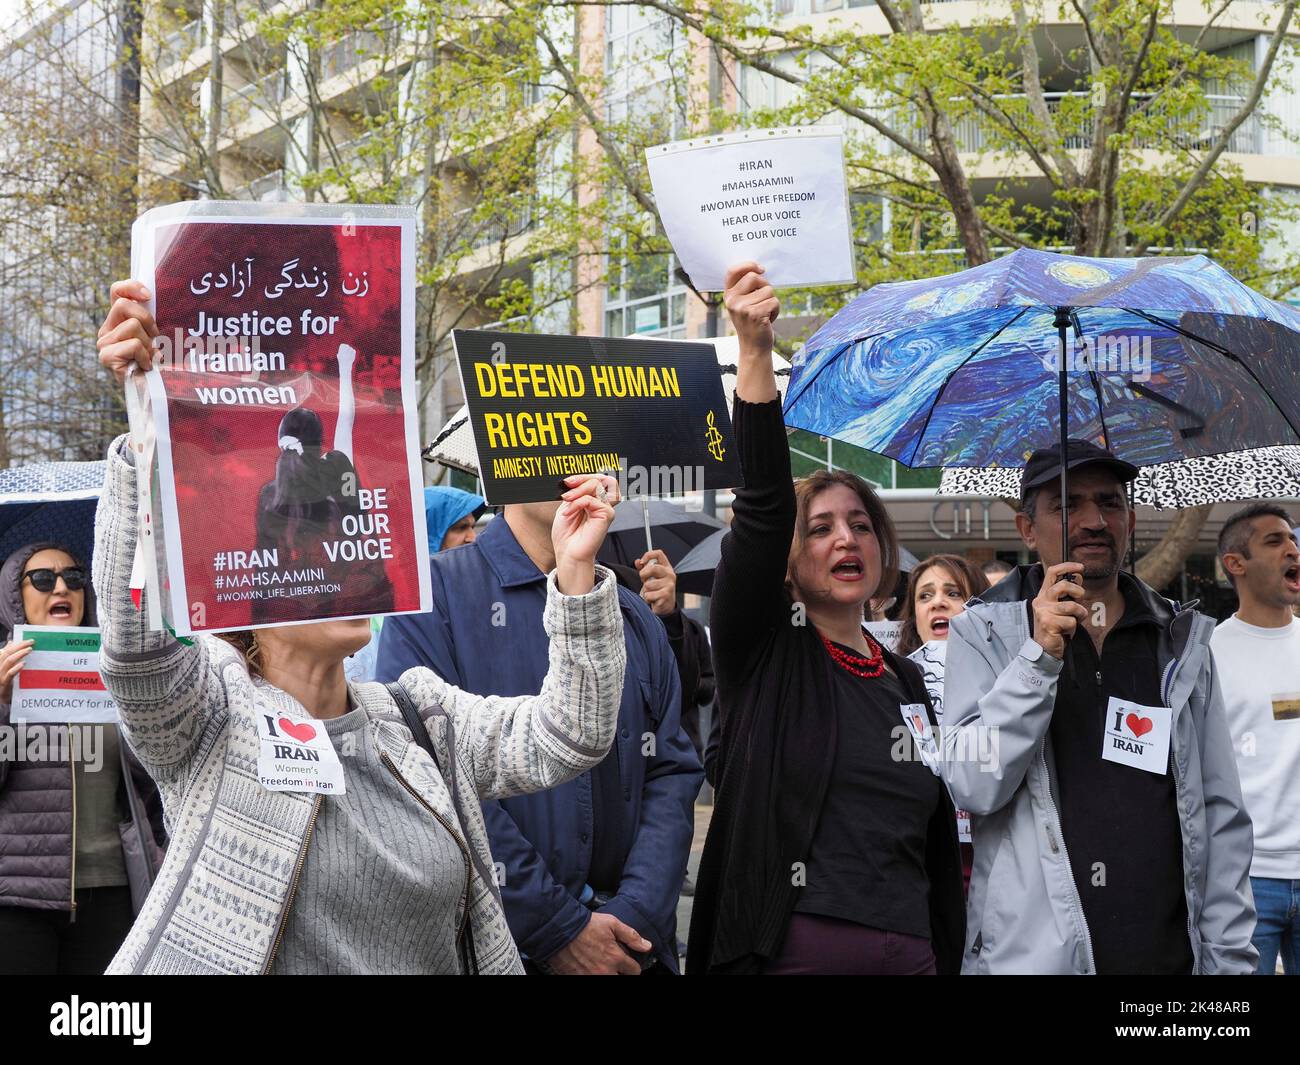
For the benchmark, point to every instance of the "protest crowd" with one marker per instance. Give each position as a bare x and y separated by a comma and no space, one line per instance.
523,760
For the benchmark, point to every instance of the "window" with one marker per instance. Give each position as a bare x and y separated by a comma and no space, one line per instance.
644,296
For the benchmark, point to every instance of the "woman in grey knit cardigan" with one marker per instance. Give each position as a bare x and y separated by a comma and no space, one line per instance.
394,875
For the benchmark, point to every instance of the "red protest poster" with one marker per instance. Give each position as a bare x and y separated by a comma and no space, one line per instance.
283,413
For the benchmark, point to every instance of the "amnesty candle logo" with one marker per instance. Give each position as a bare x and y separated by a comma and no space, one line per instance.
714,440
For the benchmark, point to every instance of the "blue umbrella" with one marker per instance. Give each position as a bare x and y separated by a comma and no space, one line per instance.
1157,360
50,501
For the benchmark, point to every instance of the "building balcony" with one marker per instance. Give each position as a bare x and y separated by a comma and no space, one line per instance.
265,95
1073,116
353,50
359,151
496,230
179,46
269,188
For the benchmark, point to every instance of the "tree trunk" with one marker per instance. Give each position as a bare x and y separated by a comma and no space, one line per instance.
1163,562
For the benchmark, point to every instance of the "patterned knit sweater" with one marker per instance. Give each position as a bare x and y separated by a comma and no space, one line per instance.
222,897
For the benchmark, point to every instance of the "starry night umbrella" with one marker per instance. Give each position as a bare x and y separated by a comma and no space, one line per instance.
1156,360
50,501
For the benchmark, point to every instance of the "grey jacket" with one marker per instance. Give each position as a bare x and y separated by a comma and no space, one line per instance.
1024,914
222,898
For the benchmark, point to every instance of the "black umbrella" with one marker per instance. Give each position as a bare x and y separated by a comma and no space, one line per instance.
50,501
672,529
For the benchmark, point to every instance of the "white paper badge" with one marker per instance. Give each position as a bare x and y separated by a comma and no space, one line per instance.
1137,735
963,826
918,724
297,755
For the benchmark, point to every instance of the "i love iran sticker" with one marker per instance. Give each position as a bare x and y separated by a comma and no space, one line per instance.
296,755
1137,735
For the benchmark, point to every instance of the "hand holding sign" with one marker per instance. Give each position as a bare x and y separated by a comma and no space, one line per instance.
11,661
126,337
752,306
579,530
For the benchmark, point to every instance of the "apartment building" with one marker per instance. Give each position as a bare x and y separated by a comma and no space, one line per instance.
231,111
62,89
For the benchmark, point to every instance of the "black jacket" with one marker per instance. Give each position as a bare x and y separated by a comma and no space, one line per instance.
37,798
778,734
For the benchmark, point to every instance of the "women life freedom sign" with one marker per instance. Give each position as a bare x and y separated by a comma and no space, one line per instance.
282,416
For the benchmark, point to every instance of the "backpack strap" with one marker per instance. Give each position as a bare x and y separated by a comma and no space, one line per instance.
412,718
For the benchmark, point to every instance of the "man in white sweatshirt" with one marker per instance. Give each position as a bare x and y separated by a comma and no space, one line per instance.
1257,654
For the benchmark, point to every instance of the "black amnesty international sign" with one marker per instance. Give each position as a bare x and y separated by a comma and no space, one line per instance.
546,407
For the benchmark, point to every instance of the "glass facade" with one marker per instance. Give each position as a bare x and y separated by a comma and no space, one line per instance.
61,146
645,53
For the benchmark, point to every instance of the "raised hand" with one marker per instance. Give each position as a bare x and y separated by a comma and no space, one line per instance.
126,337
752,304
579,529
753,307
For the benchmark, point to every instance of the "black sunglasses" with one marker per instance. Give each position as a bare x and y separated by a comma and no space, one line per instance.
44,580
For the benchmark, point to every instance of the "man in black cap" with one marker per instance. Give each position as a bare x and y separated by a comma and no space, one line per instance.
1085,733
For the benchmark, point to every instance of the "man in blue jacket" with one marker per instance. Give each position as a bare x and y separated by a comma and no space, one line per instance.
591,870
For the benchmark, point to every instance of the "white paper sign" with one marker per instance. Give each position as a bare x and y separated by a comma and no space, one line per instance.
60,681
1137,735
297,755
885,633
918,724
777,196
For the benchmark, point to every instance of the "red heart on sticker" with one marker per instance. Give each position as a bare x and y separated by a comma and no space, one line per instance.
1139,726
304,732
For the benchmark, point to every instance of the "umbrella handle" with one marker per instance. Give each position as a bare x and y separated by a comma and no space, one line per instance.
1062,323
645,513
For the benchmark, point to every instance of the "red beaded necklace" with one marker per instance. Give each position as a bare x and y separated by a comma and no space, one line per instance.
857,664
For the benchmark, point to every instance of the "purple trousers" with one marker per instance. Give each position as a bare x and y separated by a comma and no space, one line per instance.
826,946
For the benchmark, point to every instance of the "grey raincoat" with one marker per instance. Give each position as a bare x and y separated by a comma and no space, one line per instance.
1024,914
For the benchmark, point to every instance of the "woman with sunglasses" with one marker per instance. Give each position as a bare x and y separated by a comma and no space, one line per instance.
75,833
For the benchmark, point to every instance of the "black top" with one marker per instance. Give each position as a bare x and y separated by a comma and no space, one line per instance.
1120,823
867,861
779,734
